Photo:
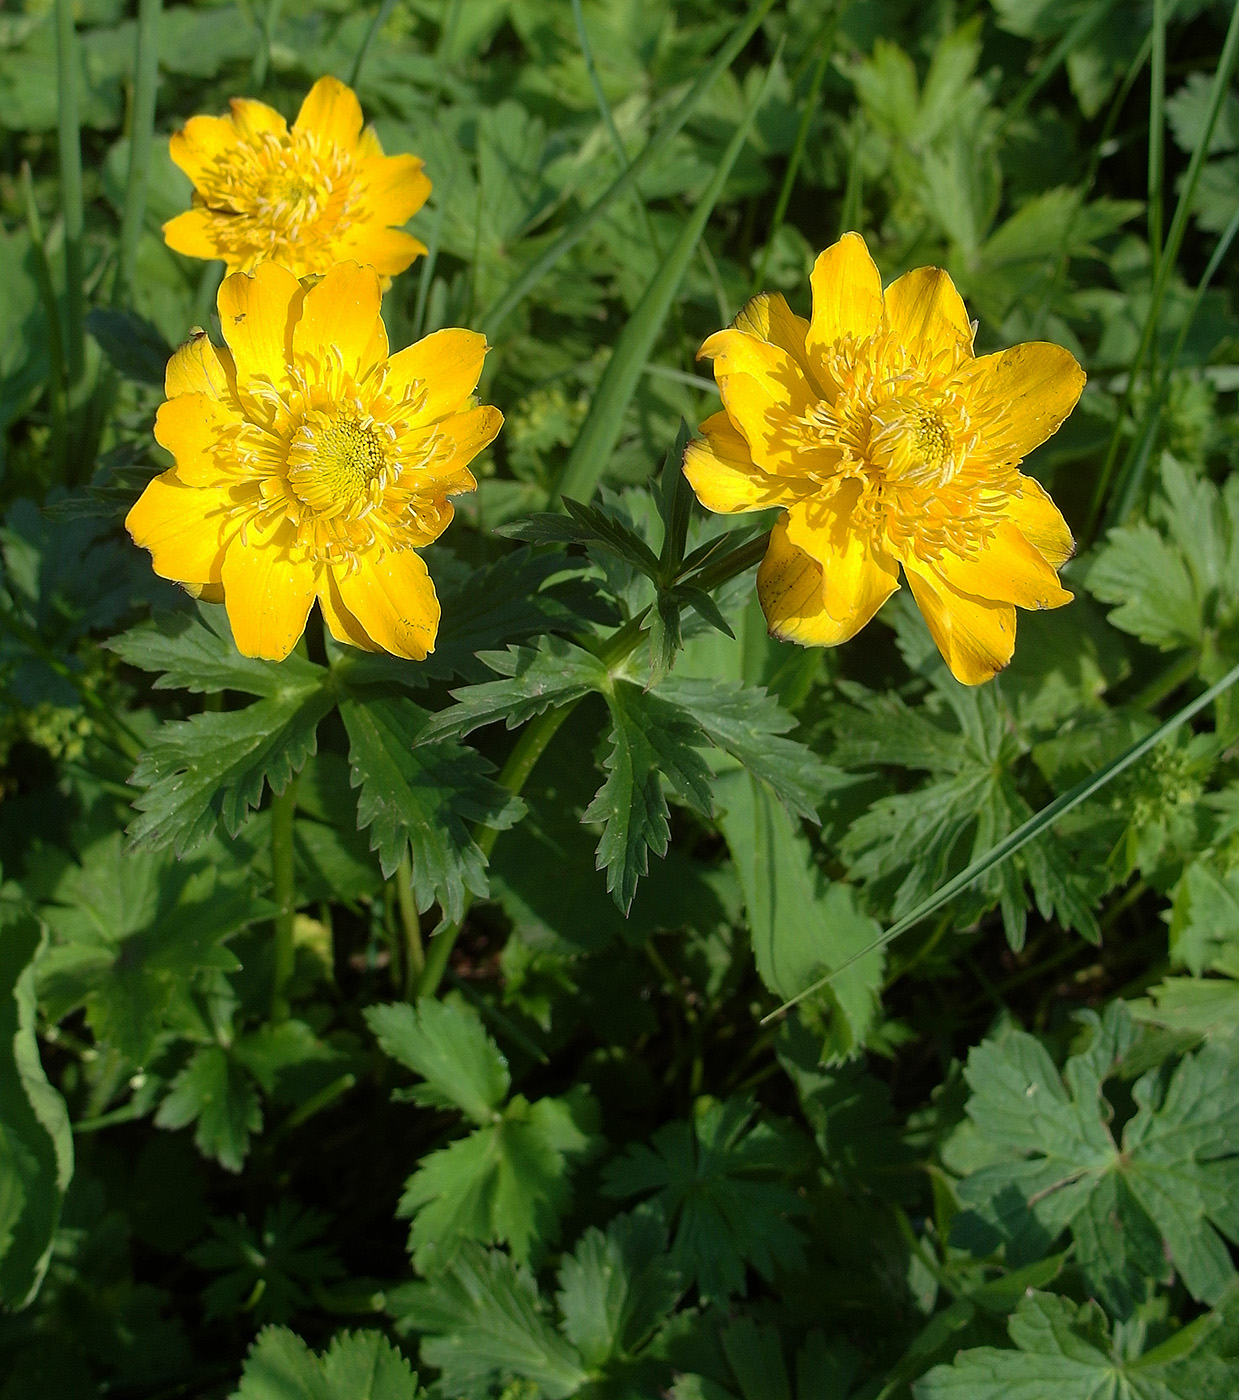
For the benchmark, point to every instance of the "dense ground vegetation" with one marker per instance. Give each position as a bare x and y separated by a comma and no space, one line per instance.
365,1018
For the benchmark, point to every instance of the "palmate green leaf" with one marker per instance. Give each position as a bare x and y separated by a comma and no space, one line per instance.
131,929
721,1181
36,1143
1174,578
420,796
356,1366
481,1321
271,1273
908,842
214,766
1039,1158
1063,1349
650,739
446,1043
552,673
214,1093
1204,919
615,1288
1193,1006
134,348
506,1183
195,651
749,724
801,925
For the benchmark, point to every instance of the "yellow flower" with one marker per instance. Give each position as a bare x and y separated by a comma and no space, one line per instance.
310,464
307,198
889,446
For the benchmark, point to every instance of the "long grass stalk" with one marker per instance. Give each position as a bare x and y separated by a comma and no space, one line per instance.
1131,473
601,430
1170,255
1082,28
72,207
381,16
284,895
529,278
1023,834
826,43
56,370
1157,132
141,140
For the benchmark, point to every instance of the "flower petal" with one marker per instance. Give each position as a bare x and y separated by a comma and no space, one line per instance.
342,313
393,599
396,186
847,294
252,118
763,390
790,589
193,234
257,311
925,312
446,366
268,591
857,576
190,427
721,471
976,638
1038,519
201,144
1007,570
457,441
185,529
198,367
331,110
341,623
388,250
1022,395
768,317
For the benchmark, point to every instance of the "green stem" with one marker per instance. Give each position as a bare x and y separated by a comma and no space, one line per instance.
1174,240
414,952
529,749
57,406
798,148
141,139
542,729
381,16
284,893
1157,106
262,56
69,139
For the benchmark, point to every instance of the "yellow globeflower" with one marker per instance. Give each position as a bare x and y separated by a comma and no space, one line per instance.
890,446
310,464
320,193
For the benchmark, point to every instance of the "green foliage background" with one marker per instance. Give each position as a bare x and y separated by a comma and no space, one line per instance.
353,1045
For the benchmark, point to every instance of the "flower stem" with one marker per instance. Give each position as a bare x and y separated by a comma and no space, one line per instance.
141,139
541,730
529,749
414,952
285,895
69,139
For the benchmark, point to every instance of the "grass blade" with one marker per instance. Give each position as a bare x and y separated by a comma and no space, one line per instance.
1081,29
1170,254
1024,833
516,292
1131,474
827,42
381,16
141,139
69,144
1157,132
601,429
51,314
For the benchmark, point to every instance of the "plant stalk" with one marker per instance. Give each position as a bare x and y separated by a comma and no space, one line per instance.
283,889
69,145
141,139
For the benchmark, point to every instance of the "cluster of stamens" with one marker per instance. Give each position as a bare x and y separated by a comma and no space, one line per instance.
279,193
906,430
342,462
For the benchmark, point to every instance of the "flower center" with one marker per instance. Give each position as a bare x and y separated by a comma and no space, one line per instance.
910,444
338,465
